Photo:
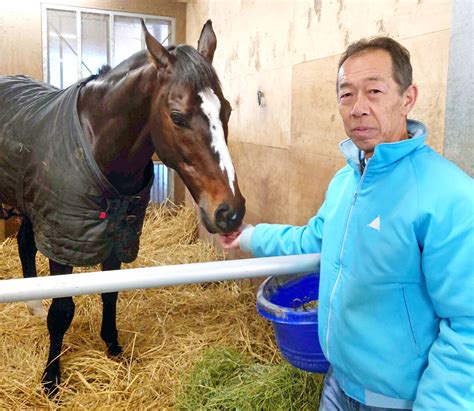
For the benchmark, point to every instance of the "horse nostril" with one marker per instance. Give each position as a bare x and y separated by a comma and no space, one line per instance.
222,212
226,217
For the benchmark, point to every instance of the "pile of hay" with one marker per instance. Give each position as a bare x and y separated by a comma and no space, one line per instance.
163,332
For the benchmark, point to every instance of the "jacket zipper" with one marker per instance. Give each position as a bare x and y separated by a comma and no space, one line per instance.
333,291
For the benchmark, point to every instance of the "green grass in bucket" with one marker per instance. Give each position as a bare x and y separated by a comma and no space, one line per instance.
225,379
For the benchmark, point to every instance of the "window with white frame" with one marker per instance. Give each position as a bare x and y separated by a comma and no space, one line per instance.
77,42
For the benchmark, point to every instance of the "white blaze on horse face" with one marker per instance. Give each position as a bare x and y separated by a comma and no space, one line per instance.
211,107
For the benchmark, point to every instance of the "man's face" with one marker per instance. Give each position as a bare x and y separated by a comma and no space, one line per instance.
369,99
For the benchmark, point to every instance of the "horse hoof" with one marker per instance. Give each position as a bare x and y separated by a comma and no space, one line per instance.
35,307
50,385
114,350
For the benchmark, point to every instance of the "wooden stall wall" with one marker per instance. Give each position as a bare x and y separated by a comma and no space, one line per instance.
286,151
20,37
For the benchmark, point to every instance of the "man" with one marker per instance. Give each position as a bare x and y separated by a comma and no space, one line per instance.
395,233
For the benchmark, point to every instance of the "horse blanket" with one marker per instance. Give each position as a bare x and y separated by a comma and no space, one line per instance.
47,171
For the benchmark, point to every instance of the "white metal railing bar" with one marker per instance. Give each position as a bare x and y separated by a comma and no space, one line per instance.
25,289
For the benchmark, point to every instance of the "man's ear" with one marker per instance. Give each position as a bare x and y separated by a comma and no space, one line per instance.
160,57
409,98
207,41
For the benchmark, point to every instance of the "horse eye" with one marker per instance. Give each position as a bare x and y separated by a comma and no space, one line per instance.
179,119
186,160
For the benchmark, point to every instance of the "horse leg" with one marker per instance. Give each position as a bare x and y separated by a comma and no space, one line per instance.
27,250
108,330
60,315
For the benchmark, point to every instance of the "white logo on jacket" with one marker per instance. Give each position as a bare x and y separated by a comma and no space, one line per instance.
375,224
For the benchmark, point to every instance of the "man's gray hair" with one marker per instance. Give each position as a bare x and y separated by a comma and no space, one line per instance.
401,65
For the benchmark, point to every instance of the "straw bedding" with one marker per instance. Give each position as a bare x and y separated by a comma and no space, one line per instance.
164,332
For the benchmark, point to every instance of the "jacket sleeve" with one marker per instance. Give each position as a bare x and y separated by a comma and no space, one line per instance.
269,240
447,245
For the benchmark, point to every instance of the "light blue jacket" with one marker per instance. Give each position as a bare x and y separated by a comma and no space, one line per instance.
396,308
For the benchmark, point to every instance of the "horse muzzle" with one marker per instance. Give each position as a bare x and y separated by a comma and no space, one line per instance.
225,219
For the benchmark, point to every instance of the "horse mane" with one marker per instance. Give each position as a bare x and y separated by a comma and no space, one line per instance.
192,68
104,70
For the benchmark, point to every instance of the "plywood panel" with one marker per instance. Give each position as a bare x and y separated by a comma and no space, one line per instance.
20,38
266,43
323,28
431,79
223,16
315,123
9,227
256,35
310,175
264,180
197,13
313,90
269,123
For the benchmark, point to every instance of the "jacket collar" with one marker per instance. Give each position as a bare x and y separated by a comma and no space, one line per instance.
386,153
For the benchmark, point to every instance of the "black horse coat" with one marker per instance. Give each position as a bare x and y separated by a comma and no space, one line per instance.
48,173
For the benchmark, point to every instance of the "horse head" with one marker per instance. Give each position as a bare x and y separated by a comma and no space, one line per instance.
188,125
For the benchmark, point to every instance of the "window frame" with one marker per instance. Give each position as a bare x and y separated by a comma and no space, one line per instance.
78,10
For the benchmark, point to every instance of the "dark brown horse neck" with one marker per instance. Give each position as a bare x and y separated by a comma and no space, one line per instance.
114,110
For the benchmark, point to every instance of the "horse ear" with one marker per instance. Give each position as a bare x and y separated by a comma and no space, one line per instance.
160,56
207,41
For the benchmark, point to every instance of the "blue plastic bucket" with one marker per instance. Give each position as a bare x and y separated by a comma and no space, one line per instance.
282,300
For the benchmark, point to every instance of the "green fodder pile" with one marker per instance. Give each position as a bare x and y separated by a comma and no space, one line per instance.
163,332
226,379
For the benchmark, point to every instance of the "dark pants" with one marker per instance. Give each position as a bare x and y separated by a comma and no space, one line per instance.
334,399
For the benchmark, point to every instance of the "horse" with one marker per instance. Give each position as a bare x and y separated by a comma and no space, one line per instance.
82,181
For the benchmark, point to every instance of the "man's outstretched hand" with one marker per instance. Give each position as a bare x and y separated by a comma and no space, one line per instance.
231,241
